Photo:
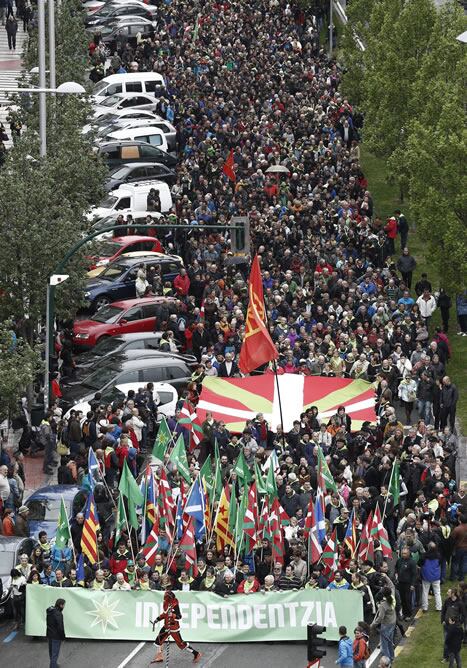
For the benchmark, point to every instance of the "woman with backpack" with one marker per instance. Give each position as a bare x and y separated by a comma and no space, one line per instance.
360,648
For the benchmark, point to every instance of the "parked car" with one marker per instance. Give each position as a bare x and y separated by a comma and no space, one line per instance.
139,218
124,101
129,82
117,116
112,127
150,134
166,369
139,171
110,34
165,395
132,196
44,507
11,548
120,317
119,152
111,249
116,345
110,12
117,281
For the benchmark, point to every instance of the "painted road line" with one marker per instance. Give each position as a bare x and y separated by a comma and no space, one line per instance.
215,655
11,636
373,656
137,649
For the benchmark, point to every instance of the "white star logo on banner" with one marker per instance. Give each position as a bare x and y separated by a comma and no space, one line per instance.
105,613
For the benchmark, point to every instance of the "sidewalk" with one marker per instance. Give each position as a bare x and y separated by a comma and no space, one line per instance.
10,70
35,477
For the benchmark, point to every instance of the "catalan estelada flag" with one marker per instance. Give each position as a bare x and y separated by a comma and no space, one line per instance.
221,524
90,529
257,347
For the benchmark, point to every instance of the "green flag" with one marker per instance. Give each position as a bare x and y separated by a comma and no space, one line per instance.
325,473
271,484
206,473
121,523
178,457
242,470
260,482
196,29
394,483
63,534
162,441
233,512
129,488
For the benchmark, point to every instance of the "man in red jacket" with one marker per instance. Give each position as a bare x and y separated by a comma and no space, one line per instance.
391,234
171,615
182,283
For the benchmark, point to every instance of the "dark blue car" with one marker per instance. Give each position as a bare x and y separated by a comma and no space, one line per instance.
44,507
117,281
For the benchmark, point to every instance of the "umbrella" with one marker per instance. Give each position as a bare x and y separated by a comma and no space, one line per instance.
277,169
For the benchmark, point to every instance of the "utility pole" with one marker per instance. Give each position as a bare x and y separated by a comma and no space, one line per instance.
52,81
331,37
42,82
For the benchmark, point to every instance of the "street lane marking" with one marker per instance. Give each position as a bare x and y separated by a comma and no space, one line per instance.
130,655
215,655
11,636
373,656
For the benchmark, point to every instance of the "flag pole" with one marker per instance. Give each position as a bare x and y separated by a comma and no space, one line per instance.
69,529
274,365
388,488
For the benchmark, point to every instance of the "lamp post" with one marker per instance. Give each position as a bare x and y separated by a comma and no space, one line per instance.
54,280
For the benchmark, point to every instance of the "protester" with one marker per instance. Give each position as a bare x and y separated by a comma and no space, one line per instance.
55,631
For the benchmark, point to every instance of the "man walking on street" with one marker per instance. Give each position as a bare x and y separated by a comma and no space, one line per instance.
448,403
406,265
55,630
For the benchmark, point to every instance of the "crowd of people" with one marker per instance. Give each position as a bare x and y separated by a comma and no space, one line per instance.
340,302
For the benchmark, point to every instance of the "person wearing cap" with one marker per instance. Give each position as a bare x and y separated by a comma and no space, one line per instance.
21,522
248,585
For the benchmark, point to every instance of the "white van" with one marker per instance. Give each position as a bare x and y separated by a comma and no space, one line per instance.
149,134
130,82
132,196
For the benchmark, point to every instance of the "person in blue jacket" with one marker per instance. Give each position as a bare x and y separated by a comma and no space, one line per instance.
345,648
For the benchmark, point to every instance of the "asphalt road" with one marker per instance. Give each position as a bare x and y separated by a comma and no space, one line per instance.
28,653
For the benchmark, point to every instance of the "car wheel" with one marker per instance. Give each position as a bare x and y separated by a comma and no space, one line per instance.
100,302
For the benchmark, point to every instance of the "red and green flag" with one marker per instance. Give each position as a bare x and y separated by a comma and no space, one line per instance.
278,548
250,520
187,547
330,554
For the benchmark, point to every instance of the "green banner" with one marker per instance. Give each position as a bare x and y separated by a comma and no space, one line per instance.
206,617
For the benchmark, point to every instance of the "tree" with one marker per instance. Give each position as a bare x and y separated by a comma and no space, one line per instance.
19,364
357,28
71,42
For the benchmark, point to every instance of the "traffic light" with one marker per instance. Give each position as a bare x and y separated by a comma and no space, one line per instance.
314,642
240,237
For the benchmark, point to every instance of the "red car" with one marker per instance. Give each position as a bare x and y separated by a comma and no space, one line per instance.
130,315
109,249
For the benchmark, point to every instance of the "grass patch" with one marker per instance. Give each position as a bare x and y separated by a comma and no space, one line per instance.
386,199
425,646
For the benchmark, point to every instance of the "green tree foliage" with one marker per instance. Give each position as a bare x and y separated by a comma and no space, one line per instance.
71,42
19,364
358,13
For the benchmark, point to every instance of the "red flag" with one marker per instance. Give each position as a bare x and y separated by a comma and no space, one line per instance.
250,520
228,168
257,346
166,504
152,541
330,554
365,539
191,423
276,532
379,533
311,532
187,545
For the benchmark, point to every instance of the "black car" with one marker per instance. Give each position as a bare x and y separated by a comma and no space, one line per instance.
122,152
139,171
111,33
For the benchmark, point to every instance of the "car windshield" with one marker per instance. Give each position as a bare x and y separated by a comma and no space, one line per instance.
105,129
106,346
112,394
43,509
109,201
99,86
110,101
107,314
99,378
119,172
107,248
113,272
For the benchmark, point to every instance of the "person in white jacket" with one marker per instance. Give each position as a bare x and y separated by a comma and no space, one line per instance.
137,424
427,305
